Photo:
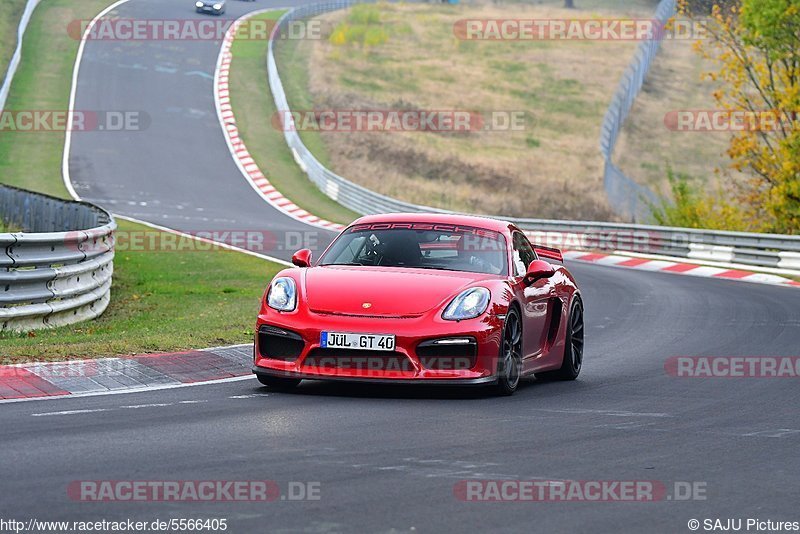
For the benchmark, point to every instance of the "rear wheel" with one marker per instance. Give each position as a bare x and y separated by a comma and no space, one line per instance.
573,347
278,383
509,366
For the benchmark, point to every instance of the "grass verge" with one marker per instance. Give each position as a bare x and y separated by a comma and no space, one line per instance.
160,300
6,228
254,108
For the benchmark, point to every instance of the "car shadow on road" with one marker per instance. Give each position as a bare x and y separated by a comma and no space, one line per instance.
401,391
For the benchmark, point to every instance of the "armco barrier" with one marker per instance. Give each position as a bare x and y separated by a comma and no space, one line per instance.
57,269
762,250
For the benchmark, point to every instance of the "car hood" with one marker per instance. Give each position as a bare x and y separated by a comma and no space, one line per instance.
382,291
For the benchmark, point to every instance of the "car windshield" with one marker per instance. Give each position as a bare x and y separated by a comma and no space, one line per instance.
420,246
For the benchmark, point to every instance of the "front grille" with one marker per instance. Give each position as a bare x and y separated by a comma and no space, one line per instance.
445,355
279,343
361,360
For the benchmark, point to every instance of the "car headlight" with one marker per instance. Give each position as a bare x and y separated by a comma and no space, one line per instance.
282,294
199,4
217,6
467,305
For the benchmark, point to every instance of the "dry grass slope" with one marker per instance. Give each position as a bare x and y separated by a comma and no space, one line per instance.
552,168
646,147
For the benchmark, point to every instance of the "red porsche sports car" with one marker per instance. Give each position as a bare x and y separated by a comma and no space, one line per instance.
444,299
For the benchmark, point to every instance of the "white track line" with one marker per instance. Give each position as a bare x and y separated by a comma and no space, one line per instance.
16,57
73,90
132,390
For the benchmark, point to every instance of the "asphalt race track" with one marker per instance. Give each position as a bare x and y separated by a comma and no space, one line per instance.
388,458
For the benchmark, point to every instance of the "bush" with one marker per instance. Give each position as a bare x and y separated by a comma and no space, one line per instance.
364,14
362,27
692,207
375,36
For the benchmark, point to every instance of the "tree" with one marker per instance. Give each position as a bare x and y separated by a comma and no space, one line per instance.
756,46
693,207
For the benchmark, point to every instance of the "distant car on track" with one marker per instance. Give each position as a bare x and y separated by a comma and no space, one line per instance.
215,7
439,299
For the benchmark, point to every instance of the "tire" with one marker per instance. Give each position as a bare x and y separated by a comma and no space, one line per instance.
572,362
509,364
278,383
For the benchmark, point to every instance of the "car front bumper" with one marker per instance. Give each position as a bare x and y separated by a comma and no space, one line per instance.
211,10
261,371
417,355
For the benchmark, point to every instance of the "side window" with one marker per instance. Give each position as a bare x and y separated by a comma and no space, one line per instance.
523,254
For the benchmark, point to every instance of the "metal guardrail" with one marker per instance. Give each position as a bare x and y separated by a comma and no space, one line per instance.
627,198
763,250
57,269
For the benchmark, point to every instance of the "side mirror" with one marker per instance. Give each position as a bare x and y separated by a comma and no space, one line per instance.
537,270
302,258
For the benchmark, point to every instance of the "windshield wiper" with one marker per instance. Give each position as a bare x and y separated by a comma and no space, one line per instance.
438,268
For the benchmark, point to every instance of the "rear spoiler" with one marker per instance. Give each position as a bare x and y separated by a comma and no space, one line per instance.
548,252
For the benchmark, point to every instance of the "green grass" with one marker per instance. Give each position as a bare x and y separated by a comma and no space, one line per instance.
160,301
8,228
254,108
12,12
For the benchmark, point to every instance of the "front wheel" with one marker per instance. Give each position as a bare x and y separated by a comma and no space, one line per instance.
509,366
573,347
278,383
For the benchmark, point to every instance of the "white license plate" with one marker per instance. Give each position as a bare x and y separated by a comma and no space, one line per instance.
340,340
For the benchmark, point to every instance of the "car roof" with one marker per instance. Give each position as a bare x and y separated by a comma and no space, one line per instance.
485,223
